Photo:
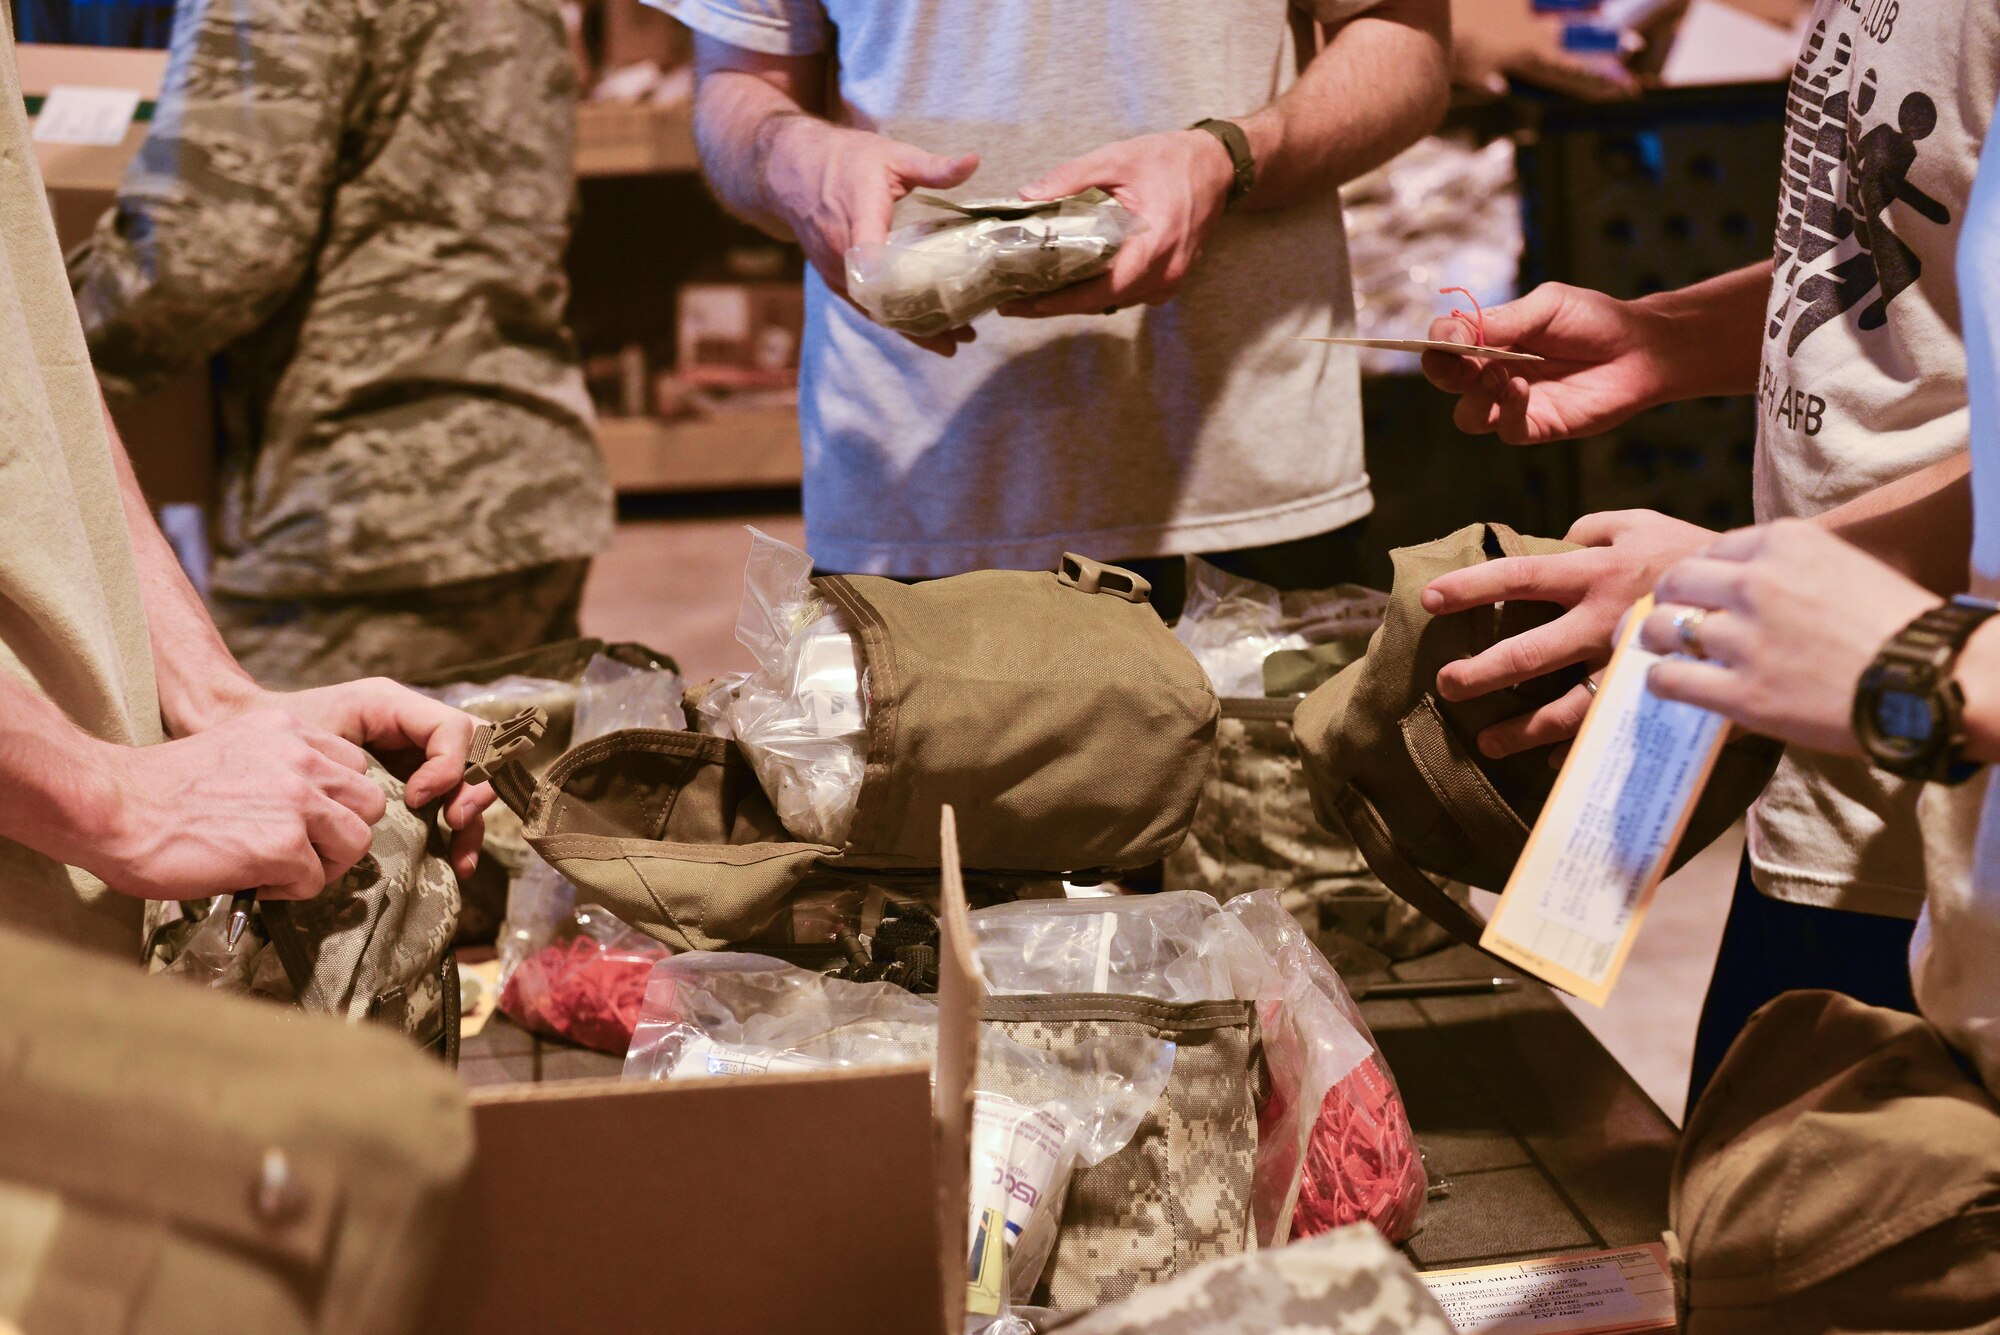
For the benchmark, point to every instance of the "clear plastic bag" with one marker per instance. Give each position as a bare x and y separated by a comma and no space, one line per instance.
614,696
801,717
1355,1157
1232,625
945,272
1037,1116
585,985
470,695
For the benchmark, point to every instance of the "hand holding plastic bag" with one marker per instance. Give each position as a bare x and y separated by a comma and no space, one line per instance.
946,272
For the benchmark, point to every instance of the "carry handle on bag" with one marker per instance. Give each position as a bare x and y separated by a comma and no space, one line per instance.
1397,765
1057,705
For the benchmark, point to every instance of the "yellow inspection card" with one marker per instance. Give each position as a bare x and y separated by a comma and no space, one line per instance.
1573,906
1620,1292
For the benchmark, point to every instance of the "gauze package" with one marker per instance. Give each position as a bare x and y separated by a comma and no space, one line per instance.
1332,1129
1036,1116
945,272
801,717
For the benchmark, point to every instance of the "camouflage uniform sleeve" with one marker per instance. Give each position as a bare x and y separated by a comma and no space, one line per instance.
218,217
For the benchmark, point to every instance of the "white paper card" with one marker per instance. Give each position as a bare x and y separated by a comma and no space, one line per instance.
1431,345
72,114
1599,1293
1619,807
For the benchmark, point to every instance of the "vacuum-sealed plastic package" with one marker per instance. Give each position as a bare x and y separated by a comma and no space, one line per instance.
945,272
1334,1143
615,695
1233,627
1037,1116
586,984
801,717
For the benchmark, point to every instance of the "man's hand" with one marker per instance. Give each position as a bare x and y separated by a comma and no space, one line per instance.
836,187
1794,617
415,735
262,802
1176,184
1607,360
1624,553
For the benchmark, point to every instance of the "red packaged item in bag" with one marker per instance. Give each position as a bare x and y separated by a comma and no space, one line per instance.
1362,1162
586,987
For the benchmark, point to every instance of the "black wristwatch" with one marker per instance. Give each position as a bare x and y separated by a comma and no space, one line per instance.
1908,711
1242,166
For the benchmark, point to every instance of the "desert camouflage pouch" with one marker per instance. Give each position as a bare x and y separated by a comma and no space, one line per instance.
1398,767
374,946
1055,705
1347,1282
549,678
1180,1193
175,1163
1255,830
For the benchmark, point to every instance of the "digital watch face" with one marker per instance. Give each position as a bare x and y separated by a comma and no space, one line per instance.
1905,717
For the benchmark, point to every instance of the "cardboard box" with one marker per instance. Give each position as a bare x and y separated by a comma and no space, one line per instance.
170,435
739,1205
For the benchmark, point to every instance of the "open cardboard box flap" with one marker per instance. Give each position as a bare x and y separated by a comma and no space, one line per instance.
829,1203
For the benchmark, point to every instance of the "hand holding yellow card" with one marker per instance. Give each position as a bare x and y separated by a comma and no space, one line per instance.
1620,805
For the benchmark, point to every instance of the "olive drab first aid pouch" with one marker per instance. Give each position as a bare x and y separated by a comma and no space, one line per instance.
586,687
1399,766
177,1163
1055,705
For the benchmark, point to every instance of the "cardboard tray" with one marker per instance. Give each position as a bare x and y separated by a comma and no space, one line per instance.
739,1205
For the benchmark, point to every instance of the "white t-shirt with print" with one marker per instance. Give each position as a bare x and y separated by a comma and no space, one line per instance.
1863,380
1200,425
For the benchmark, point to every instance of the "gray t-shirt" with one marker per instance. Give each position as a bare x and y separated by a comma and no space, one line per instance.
1864,375
1199,425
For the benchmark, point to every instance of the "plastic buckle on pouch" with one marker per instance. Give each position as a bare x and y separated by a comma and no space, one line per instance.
496,744
1088,576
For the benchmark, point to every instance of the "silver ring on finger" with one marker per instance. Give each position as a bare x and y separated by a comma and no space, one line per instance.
1687,625
1590,684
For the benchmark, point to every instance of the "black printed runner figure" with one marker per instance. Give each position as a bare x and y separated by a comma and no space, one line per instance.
1841,176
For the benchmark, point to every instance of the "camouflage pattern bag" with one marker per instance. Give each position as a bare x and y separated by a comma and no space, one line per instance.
374,946
1180,1193
1255,830
1347,1282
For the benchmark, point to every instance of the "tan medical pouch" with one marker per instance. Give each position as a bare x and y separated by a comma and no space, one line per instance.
1055,710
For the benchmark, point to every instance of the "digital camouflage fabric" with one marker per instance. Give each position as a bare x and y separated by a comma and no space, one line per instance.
361,208
1179,1193
1347,1282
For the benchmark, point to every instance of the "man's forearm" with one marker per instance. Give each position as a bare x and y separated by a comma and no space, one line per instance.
1920,524
1716,332
199,679
1380,85
60,797
737,114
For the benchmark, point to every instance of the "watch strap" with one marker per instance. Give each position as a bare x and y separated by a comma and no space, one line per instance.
1920,657
1242,164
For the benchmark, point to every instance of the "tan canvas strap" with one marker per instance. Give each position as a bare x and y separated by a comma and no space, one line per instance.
139,1162
1258,709
1173,1016
1403,877
1457,782
93,1275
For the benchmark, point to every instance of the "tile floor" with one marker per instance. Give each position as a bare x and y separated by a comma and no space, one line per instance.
674,583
